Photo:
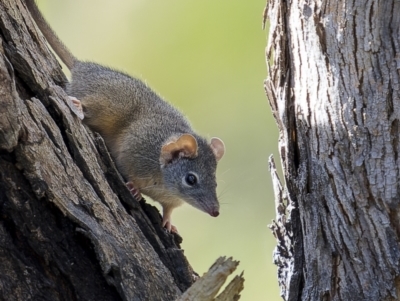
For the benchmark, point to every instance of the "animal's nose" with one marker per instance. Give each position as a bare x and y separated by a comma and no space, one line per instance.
214,213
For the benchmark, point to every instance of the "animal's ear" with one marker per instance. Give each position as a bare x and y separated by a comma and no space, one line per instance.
218,148
184,146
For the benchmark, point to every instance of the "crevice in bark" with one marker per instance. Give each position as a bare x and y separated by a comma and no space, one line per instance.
370,11
296,148
394,134
336,196
389,101
320,30
330,127
355,50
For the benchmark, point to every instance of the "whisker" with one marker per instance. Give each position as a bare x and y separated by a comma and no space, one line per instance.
223,191
224,172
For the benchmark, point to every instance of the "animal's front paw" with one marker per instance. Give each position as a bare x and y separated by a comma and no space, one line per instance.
170,227
166,221
135,192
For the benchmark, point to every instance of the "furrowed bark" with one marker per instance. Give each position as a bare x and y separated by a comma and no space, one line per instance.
333,86
69,229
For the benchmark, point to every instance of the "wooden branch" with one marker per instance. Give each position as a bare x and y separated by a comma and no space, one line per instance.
207,287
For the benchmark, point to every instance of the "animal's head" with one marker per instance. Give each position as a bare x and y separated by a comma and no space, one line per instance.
188,165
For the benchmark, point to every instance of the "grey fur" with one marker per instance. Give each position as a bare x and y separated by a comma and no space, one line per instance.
135,124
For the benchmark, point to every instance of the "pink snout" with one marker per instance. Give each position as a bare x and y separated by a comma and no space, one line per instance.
214,213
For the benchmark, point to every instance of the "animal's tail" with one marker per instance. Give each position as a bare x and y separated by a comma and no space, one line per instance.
62,51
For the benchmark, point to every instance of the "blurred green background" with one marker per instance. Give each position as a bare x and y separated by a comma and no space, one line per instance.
207,58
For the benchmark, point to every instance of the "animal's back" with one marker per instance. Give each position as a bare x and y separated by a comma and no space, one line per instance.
117,105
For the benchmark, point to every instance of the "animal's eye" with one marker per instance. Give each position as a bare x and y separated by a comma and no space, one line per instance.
190,179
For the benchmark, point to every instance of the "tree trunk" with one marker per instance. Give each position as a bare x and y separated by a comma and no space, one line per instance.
333,87
69,229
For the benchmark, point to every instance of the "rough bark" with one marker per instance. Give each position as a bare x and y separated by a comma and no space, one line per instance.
69,229
333,87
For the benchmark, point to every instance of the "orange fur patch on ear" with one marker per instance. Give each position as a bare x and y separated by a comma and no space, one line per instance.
184,146
218,148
